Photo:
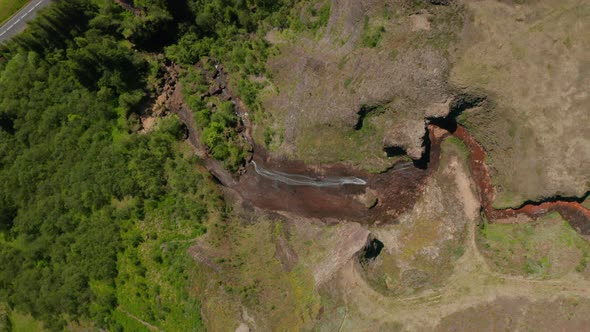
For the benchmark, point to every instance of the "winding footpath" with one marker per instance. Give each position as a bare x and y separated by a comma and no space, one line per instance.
19,21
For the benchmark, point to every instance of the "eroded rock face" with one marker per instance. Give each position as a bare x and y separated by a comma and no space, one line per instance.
352,238
407,135
369,198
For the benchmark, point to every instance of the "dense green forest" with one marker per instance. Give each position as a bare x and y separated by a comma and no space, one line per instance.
95,218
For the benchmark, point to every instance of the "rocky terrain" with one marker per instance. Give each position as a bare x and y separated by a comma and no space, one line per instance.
452,228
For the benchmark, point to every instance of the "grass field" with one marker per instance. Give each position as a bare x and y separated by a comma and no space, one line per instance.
9,7
544,249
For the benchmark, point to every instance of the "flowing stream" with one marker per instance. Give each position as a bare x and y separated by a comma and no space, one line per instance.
302,180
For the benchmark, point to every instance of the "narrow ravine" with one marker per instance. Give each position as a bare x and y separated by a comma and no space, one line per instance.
575,213
340,192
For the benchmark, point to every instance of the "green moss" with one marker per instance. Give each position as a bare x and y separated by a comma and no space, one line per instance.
543,249
371,36
455,143
340,143
347,82
537,267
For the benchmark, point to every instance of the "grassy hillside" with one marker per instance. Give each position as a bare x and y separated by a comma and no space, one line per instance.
360,83
531,61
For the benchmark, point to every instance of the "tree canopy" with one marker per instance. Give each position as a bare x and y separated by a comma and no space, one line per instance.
95,219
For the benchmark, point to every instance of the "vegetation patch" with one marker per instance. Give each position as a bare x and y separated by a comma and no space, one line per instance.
546,248
371,35
24,323
95,219
458,145
9,8
252,275
337,143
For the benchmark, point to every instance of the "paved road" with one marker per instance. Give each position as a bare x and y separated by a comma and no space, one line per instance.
19,21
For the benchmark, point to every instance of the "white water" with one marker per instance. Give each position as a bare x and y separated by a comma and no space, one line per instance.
302,180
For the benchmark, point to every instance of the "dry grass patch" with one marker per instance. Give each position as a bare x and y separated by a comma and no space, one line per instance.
532,61
369,56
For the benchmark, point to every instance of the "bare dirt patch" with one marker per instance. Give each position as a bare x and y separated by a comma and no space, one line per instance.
521,314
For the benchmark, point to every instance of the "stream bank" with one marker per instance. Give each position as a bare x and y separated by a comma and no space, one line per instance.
384,196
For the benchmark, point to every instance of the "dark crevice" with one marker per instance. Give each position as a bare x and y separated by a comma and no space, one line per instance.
216,180
440,2
363,113
372,250
184,131
459,104
555,198
394,151
422,163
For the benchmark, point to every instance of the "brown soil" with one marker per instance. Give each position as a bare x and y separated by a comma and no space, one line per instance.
129,6
397,190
